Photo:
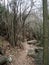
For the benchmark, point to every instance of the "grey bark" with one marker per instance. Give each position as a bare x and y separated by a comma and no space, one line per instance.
45,32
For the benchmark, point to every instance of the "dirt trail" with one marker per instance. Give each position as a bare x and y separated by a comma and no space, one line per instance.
19,56
22,58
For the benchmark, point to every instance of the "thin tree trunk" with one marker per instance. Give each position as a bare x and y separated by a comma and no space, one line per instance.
45,32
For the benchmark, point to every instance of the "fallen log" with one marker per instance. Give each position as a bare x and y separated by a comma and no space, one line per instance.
4,60
32,42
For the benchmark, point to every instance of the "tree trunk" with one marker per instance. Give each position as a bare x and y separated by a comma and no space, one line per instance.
45,32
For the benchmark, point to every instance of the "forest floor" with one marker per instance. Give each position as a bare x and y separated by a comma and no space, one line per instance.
19,56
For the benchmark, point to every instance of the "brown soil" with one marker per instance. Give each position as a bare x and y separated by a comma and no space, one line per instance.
19,56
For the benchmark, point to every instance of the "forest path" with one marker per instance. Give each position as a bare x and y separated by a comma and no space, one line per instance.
19,55
21,58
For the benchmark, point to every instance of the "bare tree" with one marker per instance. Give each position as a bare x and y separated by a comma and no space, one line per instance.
20,14
25,15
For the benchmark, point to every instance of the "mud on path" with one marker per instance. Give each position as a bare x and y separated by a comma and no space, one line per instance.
19,56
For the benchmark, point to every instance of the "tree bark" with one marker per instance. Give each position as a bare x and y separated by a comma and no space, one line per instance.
45,32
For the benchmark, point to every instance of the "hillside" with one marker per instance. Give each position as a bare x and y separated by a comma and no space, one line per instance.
19,56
